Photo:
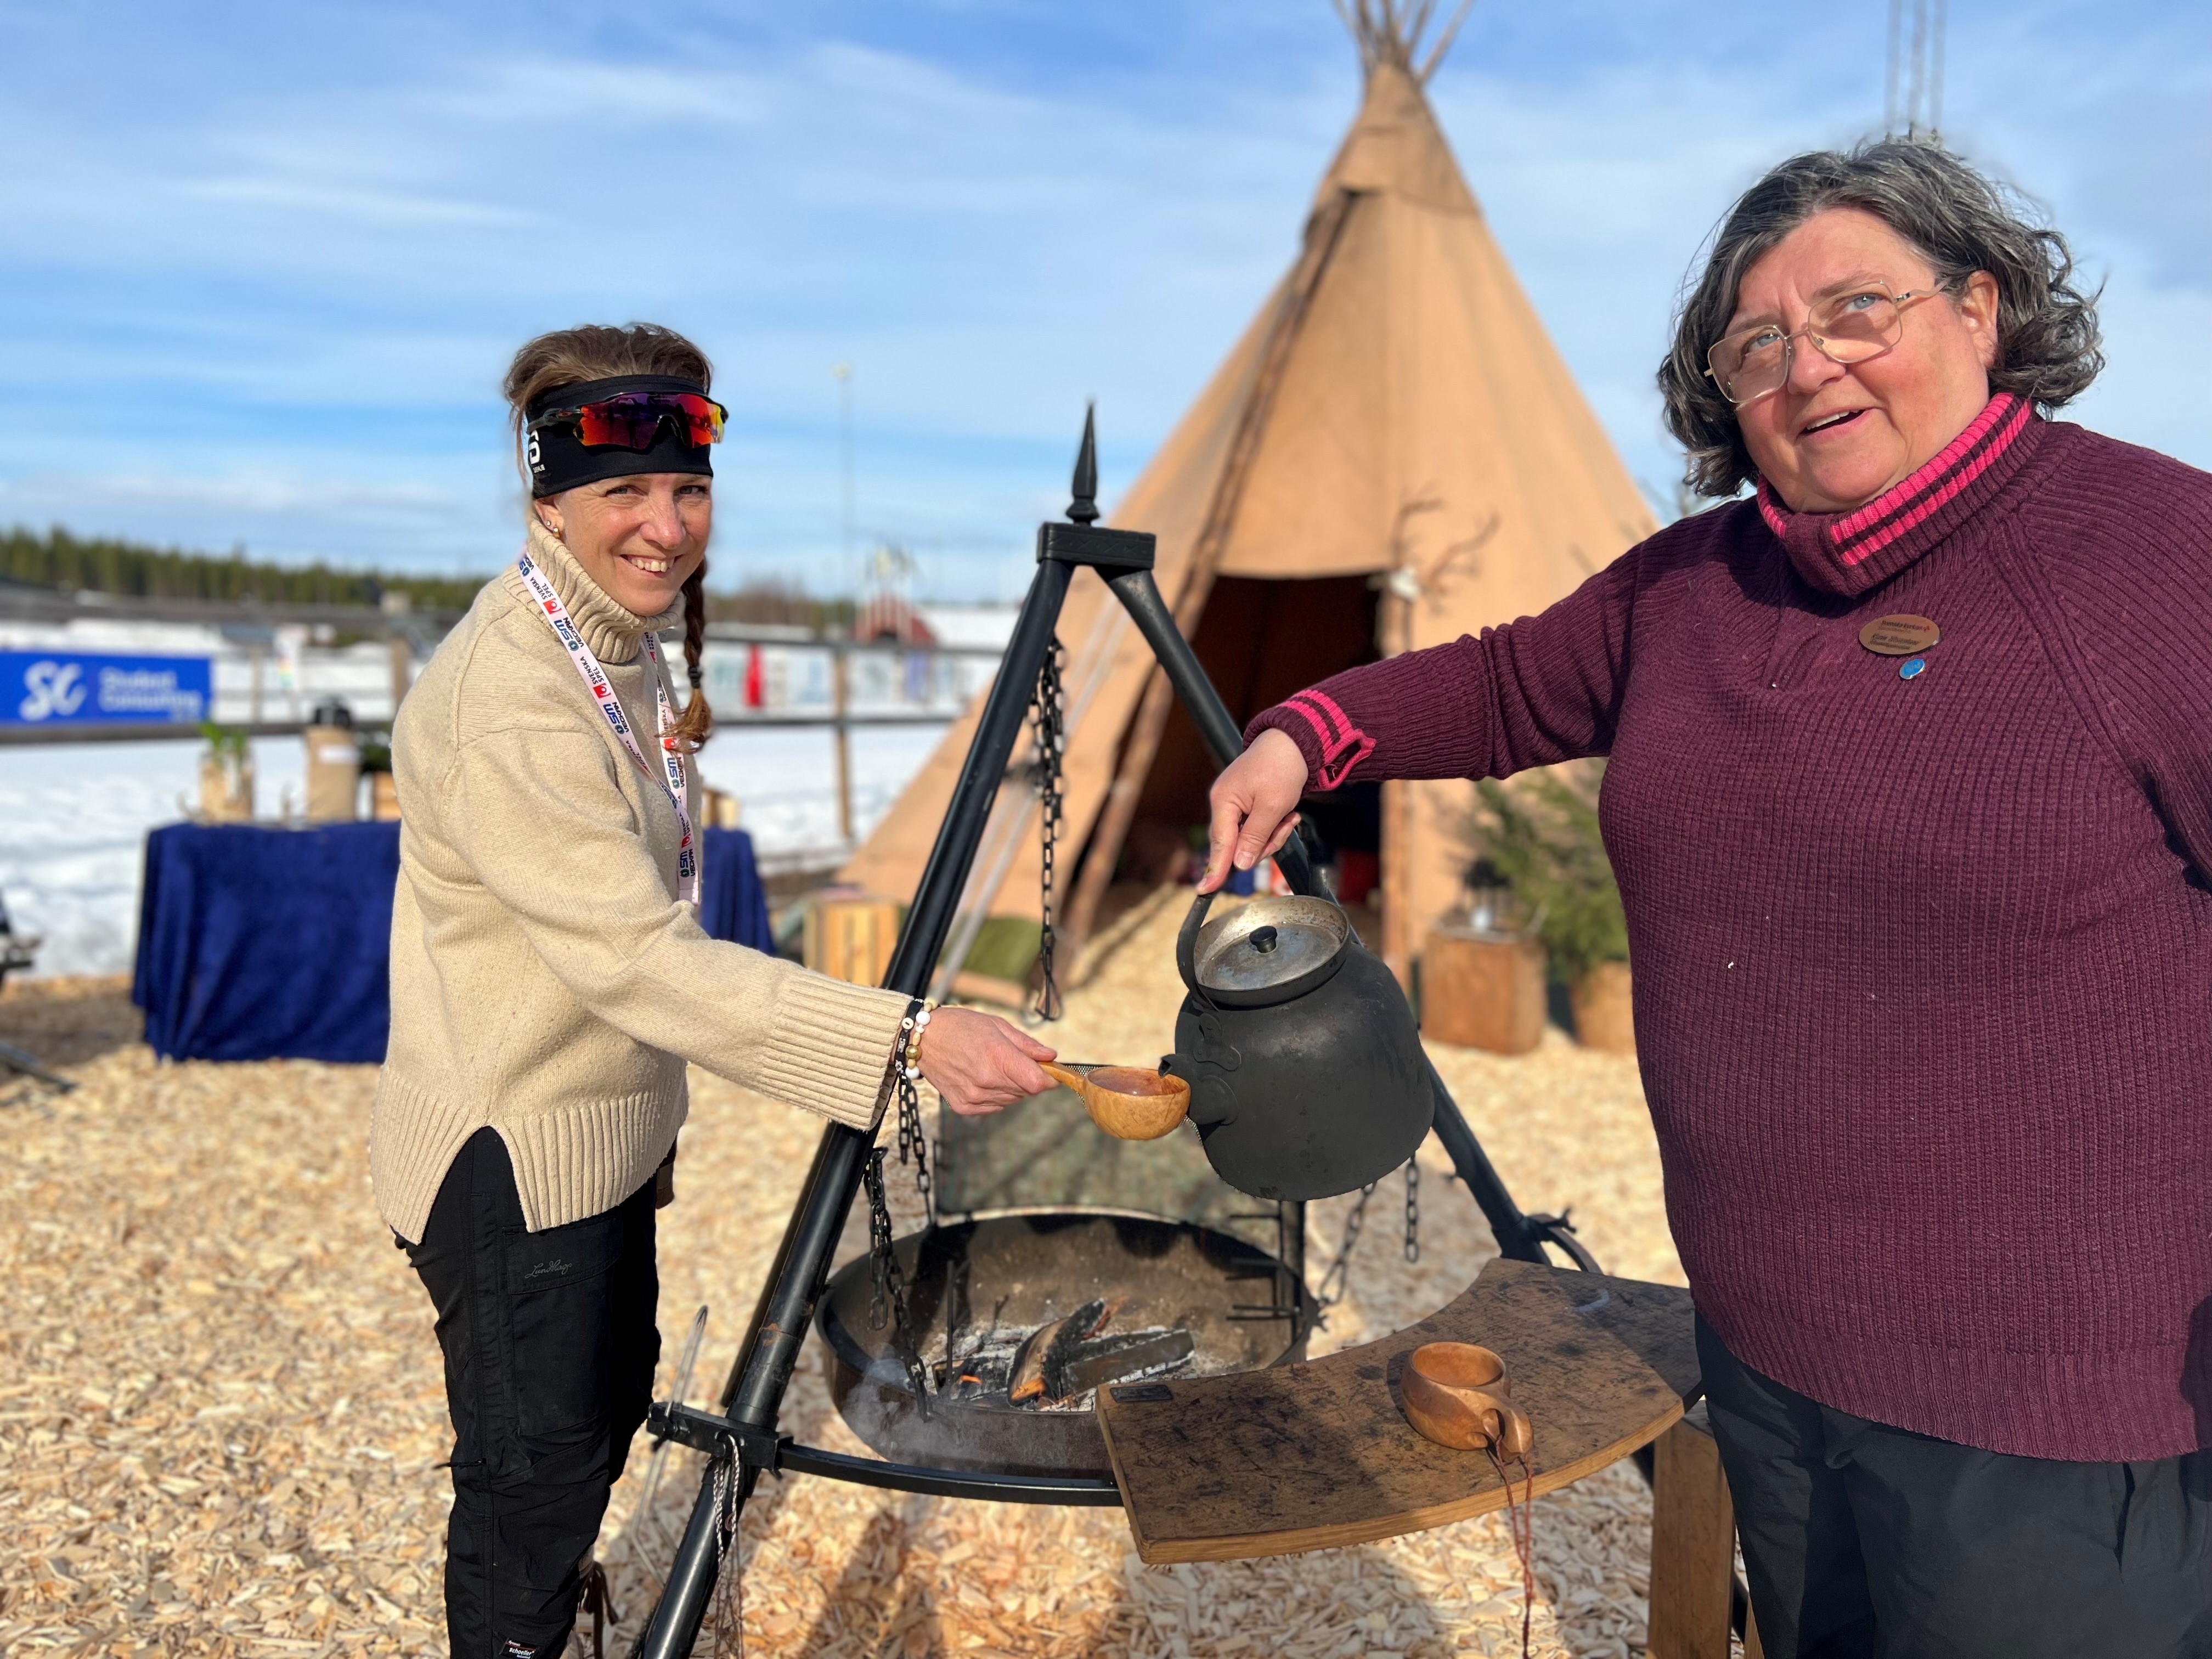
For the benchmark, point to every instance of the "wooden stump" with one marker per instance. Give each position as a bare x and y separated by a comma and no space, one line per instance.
333,775
1483,991
1605,1016
850,938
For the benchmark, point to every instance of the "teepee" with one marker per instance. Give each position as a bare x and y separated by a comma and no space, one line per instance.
1392,455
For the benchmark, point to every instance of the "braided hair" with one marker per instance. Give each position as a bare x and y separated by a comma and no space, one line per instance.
697,719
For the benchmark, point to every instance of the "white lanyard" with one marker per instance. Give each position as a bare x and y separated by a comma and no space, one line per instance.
556,617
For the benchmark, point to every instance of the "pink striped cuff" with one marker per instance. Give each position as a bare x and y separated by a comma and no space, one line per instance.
1342,745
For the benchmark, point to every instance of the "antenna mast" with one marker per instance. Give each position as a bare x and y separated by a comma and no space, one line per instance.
1912,86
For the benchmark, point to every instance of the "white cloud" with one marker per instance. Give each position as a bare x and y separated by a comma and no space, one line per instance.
370,206
246,493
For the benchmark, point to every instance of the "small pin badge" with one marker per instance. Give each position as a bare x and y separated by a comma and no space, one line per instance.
1913,669
1901,635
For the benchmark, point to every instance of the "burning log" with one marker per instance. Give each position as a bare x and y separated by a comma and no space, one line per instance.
1026,1381
1069,1357
1048,1346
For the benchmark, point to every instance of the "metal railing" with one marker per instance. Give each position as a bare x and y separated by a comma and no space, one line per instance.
895,685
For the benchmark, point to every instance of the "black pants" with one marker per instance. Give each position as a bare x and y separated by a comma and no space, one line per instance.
1864,1542
550,1353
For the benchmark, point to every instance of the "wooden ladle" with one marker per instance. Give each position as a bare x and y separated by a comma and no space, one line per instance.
1126,1101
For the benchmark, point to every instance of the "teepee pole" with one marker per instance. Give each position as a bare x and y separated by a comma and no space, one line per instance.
1445,36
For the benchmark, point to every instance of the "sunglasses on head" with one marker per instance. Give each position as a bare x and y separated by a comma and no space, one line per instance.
632,420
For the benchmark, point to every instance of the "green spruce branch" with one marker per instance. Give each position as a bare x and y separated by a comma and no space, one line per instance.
1541,837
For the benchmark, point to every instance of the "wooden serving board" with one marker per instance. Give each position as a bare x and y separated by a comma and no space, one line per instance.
1315,1455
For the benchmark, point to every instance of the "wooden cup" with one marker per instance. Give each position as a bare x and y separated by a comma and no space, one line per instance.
1126,1101
1456,1394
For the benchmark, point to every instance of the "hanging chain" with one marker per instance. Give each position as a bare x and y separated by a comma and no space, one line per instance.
884,1264
1336,1284
1340,1270
1050,713
887,1288
911,1138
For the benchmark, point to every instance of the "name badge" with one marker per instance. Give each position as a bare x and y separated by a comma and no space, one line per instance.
1901,635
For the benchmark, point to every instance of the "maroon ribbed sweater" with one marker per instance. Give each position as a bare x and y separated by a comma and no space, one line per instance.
1923,966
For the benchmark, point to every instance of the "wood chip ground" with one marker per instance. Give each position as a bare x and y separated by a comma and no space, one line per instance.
220,1415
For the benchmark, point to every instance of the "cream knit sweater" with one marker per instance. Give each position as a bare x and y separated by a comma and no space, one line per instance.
546,981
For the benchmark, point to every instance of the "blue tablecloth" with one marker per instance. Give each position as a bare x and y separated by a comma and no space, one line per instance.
258,944
732,903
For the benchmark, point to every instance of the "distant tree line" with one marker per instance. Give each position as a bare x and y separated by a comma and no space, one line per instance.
772,603
74,564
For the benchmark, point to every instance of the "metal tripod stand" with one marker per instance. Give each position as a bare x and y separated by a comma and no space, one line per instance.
740,1436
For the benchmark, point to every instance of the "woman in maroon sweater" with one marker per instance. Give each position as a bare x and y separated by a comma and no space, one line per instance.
1910,804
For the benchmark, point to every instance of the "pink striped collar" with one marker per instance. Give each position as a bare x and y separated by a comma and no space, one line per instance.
1848,553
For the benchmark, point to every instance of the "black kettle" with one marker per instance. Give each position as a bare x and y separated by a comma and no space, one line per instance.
1305,1068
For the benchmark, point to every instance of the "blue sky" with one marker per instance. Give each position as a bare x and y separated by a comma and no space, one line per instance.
261,265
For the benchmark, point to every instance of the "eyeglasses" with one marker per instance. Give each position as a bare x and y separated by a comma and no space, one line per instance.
631,420
1849,328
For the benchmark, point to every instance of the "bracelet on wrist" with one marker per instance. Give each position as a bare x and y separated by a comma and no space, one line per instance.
908,1054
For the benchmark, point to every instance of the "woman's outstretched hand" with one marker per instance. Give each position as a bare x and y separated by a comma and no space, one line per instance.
978,1063
1252,802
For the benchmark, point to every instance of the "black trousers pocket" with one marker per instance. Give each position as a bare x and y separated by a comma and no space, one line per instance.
560,1289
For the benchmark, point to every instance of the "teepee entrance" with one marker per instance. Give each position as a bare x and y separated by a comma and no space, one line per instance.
1259,640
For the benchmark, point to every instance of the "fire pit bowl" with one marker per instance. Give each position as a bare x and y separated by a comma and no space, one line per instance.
978,1289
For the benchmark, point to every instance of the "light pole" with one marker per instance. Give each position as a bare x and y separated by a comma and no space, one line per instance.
841,692
842,374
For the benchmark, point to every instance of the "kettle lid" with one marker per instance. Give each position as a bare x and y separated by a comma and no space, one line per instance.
1267,944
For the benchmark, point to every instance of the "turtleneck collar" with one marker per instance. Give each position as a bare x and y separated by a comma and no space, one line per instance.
1848,553
612,632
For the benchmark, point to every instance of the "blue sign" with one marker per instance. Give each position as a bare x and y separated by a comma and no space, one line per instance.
70,687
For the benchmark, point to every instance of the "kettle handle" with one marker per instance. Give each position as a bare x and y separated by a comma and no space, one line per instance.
1187,942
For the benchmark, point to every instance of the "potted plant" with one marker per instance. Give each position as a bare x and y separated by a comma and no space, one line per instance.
226,775
1540,837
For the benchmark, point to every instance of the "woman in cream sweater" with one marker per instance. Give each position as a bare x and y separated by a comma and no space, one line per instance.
550,982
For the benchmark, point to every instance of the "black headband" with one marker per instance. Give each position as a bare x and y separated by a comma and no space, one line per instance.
559,459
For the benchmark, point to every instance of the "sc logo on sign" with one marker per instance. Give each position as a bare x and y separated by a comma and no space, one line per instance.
55,688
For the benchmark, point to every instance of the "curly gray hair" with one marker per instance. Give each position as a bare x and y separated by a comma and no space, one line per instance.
1960,220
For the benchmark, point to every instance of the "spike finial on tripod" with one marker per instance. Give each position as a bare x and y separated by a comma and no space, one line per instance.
1083,509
